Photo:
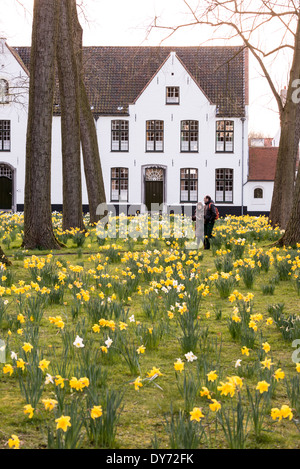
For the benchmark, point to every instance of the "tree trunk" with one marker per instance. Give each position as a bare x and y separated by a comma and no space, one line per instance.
89,140
70,120
284,182
38,230
292,233
3,258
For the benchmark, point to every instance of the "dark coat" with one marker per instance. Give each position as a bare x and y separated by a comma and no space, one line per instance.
209,212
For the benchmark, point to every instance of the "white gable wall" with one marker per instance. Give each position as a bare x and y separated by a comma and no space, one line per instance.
150,105
16,112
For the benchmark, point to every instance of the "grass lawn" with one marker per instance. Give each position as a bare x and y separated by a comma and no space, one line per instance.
143,343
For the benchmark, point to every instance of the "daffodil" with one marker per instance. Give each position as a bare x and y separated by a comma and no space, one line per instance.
190,357
14,442
266,347
267,363
215,406
205,392
141,349
212,375
245,350
179,365
279,374
43,365
138,383
49,403
262,386
196,414
28,409
59,381
63,423
96,412
8,369
78,342
154,372
27,347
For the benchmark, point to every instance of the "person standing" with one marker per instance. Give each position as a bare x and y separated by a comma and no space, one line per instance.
209,220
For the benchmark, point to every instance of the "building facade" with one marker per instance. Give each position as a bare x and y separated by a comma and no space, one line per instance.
172,126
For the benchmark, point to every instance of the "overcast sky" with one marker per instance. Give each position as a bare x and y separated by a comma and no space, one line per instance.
120,22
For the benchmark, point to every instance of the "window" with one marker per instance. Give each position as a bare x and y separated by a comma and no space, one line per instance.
188,185
258,193
224,136
224,185
119,184
189,136
4,135
155,136
119,135
4,92
172,95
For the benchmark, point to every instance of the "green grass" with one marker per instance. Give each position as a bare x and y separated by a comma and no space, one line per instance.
143,412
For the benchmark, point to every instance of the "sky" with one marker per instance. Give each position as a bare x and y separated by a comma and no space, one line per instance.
120,22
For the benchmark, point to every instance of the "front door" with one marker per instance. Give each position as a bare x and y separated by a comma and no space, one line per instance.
154,187
6,188
154,193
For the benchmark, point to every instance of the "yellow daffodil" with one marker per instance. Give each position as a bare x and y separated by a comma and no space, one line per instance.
96,412
262,386
49,403
205,392
279,374
215,406
196,414
27,347
267,363
14,442
43,365
153,372
137,383
8,369
179,365
21,364
63,423
141,349
245,350
28,409
59,381
266,347
212,376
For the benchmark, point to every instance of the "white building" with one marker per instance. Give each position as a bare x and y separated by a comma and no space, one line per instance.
172,126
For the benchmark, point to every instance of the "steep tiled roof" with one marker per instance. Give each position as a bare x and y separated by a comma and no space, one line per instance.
262,163
115,76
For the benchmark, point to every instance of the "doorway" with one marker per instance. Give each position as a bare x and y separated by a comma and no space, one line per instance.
6,187
154,187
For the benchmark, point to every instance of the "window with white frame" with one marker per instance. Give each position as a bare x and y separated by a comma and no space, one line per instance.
119,184
4,91
155,135
4,135
172,95
119,135
189,136
224,185
188,185
224,136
